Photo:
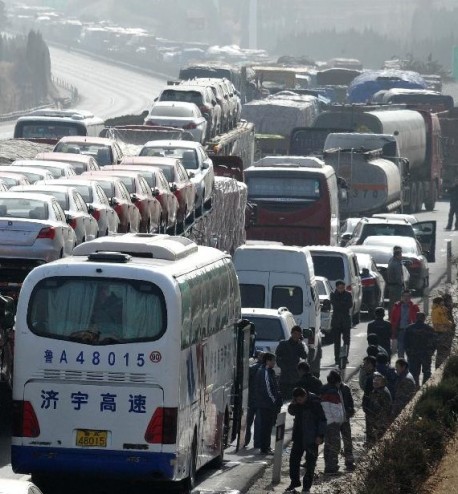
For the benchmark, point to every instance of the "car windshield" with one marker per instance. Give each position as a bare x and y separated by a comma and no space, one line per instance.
97,311
55,171
17,207
188,156
267,329
171,111
388,229
330,267
186,96
100,152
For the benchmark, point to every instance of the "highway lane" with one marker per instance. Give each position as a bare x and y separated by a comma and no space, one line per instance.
106,89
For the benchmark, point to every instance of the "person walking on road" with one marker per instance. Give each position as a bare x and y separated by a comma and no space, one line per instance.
268,401
453,211
404,389
251,411
395,277
307,380
308,433
289,353
404,313
378,410
342,303
382,329
419,343
443,328
338,407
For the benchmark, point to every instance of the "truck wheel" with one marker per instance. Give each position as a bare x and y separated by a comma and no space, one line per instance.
430,202
420,197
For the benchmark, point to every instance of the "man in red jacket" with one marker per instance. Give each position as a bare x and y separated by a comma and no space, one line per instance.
403,314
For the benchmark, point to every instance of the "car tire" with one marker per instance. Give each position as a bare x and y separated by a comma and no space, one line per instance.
191,479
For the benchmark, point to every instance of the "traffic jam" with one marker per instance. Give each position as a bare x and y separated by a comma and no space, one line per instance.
98,257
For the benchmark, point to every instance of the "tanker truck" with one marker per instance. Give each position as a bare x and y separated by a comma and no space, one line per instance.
417,134
373,183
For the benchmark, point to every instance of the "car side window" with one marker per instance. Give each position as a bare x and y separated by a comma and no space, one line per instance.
103,199
124,193
182,173
81,204
60,215
144,186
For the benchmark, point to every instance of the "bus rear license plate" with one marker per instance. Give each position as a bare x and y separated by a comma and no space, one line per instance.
91,439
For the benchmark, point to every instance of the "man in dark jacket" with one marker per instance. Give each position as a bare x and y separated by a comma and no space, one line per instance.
342,302
404,389
377,410
382,329
251,412
308,433
289,352
372,340
268,400
383,367
453,193
307,380
419,344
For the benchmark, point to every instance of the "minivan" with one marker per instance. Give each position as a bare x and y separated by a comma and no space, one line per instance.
274,276
339,263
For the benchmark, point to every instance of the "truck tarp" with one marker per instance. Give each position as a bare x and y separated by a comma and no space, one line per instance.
369,82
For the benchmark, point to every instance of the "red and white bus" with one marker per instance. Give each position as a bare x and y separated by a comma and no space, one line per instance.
293,200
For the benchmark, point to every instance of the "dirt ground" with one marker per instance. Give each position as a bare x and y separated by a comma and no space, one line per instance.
445,479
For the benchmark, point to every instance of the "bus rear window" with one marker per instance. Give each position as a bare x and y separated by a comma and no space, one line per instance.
331,267
48,130
284,187
252,296
288,296
97,311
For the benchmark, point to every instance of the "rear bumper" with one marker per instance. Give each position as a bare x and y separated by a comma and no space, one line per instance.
94,463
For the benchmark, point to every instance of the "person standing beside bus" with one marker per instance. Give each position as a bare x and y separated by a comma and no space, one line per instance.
342,302
395,277
268,401
251,412
289,353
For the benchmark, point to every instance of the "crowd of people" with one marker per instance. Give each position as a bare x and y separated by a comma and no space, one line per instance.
322,412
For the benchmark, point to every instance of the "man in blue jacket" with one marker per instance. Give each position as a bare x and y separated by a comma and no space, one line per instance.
308,433
268,402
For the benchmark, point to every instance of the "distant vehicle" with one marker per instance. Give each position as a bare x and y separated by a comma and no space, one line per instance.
179,114
159,186
152,219
11,179
381,249
33,174
324,289
295,202
346,230
271,326
34,230
96,200
58,169
373,284
74,206
119,199
51,125
418,99
196,162
104,150
80,162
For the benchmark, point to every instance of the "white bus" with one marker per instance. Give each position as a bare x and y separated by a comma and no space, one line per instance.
52,125
125,357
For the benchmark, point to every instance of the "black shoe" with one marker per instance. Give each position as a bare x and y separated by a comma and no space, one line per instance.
350,467
268,451
292,486
448,228
331,472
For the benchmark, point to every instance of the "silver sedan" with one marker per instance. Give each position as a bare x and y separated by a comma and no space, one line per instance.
33,229
70,200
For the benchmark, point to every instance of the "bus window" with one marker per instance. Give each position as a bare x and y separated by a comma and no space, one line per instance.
252,295
290,187
288,296
97,311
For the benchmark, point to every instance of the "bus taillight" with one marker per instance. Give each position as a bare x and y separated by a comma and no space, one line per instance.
25,422
162,428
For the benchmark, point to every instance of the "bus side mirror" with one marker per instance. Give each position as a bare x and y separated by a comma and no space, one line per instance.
7,312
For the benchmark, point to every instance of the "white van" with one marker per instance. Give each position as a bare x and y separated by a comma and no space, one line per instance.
274,276
339,263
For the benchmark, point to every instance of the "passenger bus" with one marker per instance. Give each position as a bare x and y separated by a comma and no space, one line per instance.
51,125
126,361
293,200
